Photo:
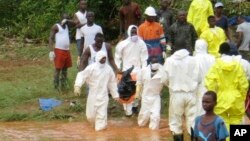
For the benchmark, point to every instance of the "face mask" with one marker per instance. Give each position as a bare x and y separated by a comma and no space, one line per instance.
155,66
101,66
134,38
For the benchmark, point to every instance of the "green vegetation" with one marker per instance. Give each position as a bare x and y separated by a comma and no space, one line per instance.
33,19
27,75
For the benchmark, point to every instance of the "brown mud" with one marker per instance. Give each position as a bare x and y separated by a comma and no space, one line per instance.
118,130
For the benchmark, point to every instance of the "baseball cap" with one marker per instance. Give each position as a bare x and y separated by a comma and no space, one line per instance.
218,4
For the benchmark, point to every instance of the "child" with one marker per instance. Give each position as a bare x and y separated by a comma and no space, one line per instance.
210,127
101,80
152,79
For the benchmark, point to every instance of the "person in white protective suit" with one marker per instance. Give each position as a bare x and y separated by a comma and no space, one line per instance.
183,79
227,55
150,81
205,61
245,64
101,79
131,52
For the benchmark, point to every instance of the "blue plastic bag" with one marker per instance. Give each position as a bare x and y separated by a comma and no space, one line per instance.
48,104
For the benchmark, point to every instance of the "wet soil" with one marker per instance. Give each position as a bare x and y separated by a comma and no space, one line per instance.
118,130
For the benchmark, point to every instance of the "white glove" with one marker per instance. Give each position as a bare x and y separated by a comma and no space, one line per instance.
138,92
164,55
78,61
168,47
52,55
77,90
63,21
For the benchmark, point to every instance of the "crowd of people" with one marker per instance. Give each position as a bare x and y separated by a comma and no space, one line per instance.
191,53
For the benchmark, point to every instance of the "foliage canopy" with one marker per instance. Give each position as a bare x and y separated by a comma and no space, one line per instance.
33,19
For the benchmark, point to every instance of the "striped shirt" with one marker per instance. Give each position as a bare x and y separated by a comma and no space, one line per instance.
153,35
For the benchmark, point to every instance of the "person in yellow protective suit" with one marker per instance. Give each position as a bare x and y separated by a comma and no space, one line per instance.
228,79
214,36
198,12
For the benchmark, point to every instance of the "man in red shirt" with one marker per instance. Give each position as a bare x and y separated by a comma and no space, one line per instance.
129,14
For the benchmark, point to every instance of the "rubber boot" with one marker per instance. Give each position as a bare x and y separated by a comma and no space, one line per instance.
56,83
178,137
64,84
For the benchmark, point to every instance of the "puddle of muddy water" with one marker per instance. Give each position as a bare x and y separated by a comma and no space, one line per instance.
118,130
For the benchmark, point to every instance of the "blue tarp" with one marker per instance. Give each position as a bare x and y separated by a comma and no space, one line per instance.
233,20
48,104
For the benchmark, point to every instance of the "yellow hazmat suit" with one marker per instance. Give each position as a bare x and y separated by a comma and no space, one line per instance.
198,13
228,79
214,37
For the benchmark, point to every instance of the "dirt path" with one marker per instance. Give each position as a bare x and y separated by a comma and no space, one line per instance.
118,130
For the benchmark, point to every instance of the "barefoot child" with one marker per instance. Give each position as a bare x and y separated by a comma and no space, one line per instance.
210,127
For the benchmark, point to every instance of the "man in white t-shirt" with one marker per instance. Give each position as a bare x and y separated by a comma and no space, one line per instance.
89,56
243,42
88,31
80,20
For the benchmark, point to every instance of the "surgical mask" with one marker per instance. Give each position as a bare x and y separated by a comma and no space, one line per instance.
134,38
101,66
155,66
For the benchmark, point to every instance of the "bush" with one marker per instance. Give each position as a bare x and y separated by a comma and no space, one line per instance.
34,19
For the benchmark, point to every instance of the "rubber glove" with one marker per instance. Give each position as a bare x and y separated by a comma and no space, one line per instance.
164,55
52,55
77,90
168,47
63,21
78,61
138,92
117,99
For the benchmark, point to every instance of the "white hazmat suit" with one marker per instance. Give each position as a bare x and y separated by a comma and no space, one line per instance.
205,61
183,80
151,101
100,79
131,52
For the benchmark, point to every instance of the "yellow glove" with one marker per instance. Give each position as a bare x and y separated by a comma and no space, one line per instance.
138,91
77,90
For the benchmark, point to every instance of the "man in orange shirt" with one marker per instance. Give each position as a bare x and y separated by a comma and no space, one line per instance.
153,35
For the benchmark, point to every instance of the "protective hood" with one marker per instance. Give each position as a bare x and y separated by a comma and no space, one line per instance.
201,46
129,39
180,54
227,65
130,28
99,55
